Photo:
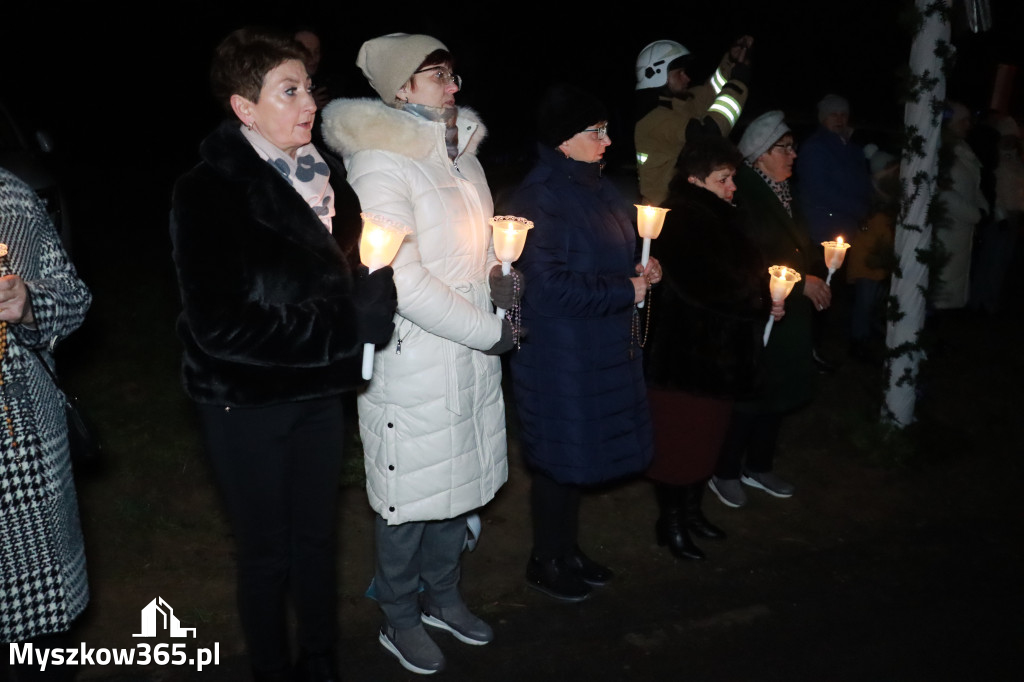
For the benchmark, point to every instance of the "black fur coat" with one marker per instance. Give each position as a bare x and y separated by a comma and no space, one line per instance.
268,294
710,310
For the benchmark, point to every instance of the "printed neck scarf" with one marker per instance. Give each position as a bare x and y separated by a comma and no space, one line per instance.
781,189
307,173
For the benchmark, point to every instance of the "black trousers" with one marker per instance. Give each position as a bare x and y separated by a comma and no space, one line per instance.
555,510
751,438
277,469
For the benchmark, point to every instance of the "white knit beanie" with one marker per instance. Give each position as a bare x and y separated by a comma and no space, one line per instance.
761,134
832,104
389,61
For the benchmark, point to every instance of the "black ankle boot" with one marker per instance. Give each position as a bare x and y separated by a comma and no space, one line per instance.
696,522
670,528
589,570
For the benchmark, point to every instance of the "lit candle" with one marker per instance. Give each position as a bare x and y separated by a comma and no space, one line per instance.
649,221
780,285
835,253
509,236
378,246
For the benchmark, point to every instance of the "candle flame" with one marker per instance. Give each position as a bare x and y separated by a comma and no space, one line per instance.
839,240
377,238
782,274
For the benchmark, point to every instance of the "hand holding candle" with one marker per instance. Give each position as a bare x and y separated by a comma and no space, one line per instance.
649,221
781,283
15,301
509,235
835,253
378,245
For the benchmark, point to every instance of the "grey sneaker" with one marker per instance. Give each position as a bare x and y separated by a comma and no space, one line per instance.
768,482
460,622
413,648
729,491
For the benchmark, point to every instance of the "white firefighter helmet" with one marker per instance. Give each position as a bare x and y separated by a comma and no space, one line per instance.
652,64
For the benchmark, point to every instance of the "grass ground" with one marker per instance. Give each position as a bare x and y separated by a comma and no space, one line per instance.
154,526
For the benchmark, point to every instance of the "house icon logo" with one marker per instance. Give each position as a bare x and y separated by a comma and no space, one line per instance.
158,617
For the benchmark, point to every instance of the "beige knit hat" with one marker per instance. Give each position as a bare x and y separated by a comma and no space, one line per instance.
761,134
389,61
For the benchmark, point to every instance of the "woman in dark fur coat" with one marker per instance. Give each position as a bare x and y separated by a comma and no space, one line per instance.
273,324
706,337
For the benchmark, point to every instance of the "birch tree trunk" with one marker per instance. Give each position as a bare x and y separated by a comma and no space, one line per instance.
918,171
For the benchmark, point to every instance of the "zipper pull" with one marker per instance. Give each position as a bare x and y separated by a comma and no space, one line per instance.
398,346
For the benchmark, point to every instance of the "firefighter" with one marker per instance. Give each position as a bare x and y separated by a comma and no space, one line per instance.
668,109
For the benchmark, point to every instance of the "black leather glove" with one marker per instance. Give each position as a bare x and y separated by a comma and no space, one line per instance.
505,342
504,293
376,302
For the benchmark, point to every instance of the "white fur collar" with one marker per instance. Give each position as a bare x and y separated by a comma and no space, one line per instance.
353,125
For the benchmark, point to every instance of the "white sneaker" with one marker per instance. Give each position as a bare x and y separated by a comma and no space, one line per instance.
413,648
729,491
768,482
459,621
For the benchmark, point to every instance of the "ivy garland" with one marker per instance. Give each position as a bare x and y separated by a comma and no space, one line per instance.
918,87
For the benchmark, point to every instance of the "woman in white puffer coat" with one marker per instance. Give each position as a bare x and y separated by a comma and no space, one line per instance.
432,420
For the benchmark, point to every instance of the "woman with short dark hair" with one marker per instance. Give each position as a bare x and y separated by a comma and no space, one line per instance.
273,323
706,336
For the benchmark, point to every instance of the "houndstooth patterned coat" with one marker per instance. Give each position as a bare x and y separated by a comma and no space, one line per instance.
42,559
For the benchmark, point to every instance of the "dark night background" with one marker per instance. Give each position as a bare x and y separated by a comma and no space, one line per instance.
124,91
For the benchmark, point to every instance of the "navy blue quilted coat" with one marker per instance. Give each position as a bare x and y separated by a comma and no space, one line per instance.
578,382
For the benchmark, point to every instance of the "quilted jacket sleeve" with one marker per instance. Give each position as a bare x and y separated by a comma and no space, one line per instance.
381,179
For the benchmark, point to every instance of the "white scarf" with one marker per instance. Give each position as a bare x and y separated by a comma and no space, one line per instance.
307,173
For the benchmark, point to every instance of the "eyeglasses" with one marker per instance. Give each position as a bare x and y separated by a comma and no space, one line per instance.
602,132
788,148
442,76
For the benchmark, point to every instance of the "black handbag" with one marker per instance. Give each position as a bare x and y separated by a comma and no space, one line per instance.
83,442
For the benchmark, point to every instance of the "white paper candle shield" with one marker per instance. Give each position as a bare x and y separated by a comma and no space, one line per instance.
649,221
835,253
780,284
509,236
378,246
